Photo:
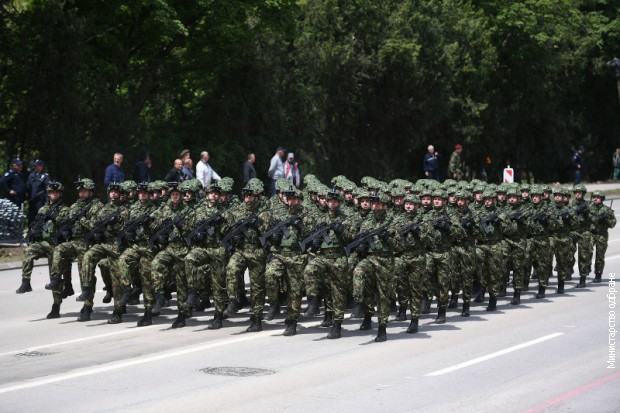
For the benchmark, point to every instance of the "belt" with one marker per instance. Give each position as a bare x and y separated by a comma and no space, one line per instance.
330,253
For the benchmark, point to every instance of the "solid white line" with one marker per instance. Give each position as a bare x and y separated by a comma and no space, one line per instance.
493,355
90,370
77,340
613,257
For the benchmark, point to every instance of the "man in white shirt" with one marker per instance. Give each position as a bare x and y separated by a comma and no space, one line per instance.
276,168
204,172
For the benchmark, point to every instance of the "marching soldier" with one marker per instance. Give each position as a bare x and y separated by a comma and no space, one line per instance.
603,218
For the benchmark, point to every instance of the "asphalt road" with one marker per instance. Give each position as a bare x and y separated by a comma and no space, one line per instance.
544,355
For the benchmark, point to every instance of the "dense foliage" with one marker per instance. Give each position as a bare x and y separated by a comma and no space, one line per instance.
354,87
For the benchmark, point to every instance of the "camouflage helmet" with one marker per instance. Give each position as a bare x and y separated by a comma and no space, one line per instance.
397,191
114,186
55,186
282,184
321,190
536,190
333,194
502,188
478,189
439,193
173,186
167,185
143,186
226,184
254,186
85,183
580,188
154,186
546,188
293,192
379,197
489,193
128,186
461,194
412,198
512,191
525,187
363,194
598,194
425,192
449,182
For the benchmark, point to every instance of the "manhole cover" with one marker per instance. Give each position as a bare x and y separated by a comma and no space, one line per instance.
33,354
237,371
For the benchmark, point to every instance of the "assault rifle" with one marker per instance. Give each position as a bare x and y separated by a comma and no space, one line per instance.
279,230
366,238
411,229
320,234
517,216
485,223
128,234
36,229
239,230
162,233
562,213
206,226
64,227
98,233
541,217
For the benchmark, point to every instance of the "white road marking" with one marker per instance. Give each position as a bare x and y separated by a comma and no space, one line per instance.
493,355
613,257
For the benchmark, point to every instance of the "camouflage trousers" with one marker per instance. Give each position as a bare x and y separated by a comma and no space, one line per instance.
574,237
62,259
402,290
585,251
284,272
42,249
329,271
138,259
92,257
516,261
600,243
441,270
168,266
490,257
206,272
465,265
561,247
541,258
412,273
252,258
377,274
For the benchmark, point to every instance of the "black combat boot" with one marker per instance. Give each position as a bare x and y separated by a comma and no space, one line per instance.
291,328
569,273
367,323
441,315
124,300
160,300
597,278
232,308
67,291
85,313
358,310
82,295
180,320
502,290
256,325
53,284
55,313
560,287
541,292
454,301
328,320
274,309
582,282
526,281
402,313
516,298
492,303
335,331
192,298
117,315
147,318
413,326
313,307
465,312
393,307
425,306
107,299
216,323
381,334
534,274
135,294
242,300
204,303
25,287
480,296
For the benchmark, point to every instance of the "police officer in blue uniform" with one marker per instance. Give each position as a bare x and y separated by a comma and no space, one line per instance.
36,188
13,183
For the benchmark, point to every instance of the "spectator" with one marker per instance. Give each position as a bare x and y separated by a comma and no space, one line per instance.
142,169
291,169
188,165
578,163
204,172
175,175
13,183
36,188
431,163
114,173
456,167
276,168
248,169
616,162
184,155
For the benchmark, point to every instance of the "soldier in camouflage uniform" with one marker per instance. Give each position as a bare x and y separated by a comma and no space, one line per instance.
39,238
71,226
582,236
104,226
542,221
465,253
376,269
168,264
284,262
560,239
247,251
516,240
363,205
205,265
137,256
603,218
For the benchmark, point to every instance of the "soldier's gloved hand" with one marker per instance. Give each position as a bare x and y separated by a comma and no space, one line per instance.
467,223
275,238
199,236
239,238
384,237
297,223
337,227
256,223
602,219
362,249
542,218
316,243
